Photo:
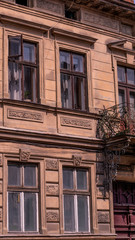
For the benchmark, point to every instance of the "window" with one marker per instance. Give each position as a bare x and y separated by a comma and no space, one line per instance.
22,197
73,81
76,200
126,81
22,2
23,69
71,13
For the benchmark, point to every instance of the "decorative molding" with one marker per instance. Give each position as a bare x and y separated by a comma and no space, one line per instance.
51,164
1,214
52,216
125,168
119,45
77,123
100,20
24,156
24,115
103,217
74,35
50,6
77,160
52,189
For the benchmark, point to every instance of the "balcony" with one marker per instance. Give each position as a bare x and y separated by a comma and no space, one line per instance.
117,121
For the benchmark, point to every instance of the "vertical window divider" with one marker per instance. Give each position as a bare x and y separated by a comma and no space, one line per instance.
76,212
88,202
37,207
22,211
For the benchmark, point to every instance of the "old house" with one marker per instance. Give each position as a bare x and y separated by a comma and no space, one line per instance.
67,100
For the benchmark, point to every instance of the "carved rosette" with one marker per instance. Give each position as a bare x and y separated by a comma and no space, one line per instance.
52,216
51,164
77,160
52,189
24,156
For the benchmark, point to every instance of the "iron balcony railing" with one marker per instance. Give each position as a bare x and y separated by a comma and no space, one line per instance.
116,120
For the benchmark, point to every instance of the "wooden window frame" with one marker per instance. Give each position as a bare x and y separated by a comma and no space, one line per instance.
125,86
78,192
19,60
21,190
74,74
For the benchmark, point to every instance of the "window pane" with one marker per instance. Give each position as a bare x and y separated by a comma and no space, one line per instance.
14,75
65,60
29,52
66,91
79,93
121,74
14,213
132,99
82,179
130,76
14,46
29,83
69,217
14,176
78,65
67,178
30,212
121,96
30,176
82,213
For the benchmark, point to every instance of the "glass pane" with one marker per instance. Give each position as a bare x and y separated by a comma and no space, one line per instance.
65,60
29,83
30,176
30,212
14,211
121,96
69,217
67,178
79,93
66,91
29,52
14,175
82,179
131,76
78,64
14,46
24,2
14,76
132,99
121,74
82,213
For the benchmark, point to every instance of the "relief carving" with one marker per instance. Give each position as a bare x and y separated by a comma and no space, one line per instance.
103,217
52,189
52,216
1,215
126,29
51,6
100,20
52,164
24,155
78,123
77,160
25,115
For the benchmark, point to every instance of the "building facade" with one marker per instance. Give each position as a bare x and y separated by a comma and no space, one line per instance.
65,172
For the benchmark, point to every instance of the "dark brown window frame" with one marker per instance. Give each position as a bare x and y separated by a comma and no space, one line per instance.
125,86
73,74
22,63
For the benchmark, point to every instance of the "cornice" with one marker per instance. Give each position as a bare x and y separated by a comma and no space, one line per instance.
76,36
43,139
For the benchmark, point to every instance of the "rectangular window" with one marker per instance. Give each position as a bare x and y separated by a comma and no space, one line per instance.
22,2
76,200
23,70
23,194
126,82
73,81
